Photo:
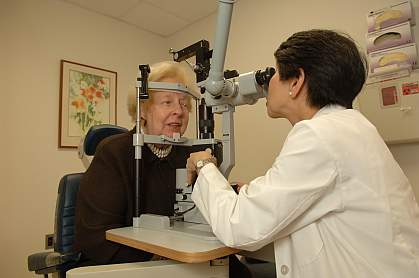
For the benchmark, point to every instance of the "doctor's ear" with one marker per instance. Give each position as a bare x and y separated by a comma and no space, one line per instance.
297,83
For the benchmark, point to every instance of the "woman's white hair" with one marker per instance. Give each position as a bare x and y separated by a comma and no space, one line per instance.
163,70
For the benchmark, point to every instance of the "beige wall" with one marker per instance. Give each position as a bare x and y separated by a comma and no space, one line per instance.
35,35
257,29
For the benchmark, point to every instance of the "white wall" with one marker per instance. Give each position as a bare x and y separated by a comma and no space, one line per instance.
35,35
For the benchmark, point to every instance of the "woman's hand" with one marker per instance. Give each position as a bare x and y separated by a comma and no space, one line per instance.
191,164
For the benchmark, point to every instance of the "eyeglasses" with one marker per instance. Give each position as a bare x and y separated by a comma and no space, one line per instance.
172,104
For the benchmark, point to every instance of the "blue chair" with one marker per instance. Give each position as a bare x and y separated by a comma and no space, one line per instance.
62,258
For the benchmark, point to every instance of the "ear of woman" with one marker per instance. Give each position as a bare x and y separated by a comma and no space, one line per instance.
297,84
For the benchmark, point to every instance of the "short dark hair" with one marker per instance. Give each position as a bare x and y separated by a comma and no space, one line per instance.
334,68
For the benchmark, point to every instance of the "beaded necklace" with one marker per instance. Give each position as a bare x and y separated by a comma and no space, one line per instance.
160,152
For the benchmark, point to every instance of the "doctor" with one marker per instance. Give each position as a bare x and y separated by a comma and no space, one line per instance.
335,203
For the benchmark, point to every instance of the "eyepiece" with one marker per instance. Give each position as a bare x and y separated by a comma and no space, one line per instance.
263,77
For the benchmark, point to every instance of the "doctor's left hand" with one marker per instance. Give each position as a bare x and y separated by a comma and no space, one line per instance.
191,164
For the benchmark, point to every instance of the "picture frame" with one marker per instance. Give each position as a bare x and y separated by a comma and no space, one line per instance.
87,98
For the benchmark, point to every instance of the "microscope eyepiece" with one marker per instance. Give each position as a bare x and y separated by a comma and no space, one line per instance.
263,77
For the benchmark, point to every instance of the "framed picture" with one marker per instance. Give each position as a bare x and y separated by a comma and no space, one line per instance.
87,98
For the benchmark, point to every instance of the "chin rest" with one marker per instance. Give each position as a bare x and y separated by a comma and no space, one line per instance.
94,136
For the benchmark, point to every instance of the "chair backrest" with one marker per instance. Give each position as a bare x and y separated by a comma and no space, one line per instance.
97,133
69,187
93,137
65,212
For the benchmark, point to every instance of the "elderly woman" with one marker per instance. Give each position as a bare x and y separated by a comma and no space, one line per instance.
335,203
106,197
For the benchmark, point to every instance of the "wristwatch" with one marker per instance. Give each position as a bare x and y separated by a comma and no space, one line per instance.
201,163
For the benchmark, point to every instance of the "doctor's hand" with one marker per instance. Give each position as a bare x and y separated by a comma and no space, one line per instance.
202,158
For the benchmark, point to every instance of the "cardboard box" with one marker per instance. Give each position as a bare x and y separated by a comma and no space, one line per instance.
389,37
389,16
399,56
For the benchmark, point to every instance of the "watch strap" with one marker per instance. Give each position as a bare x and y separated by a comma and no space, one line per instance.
201,163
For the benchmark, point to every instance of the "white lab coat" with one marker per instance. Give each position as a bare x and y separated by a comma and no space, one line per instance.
335,203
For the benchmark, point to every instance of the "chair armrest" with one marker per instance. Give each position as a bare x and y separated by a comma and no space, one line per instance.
50,260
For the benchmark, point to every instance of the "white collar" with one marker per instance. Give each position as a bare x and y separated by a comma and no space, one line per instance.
328,109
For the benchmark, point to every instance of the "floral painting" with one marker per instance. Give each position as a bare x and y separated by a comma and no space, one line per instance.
88,98
89,101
